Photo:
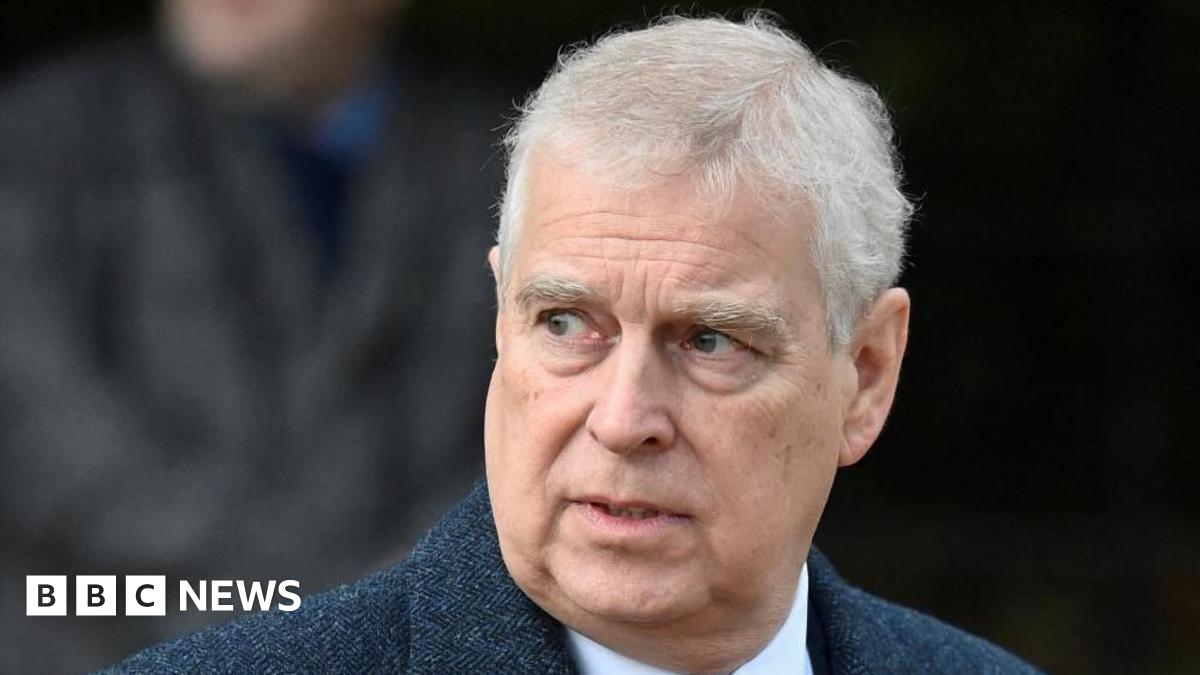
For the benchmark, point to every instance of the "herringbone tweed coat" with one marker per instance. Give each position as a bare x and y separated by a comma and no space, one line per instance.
452,608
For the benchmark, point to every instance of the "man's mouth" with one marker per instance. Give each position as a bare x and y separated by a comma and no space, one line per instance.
628,508
635,514
627,520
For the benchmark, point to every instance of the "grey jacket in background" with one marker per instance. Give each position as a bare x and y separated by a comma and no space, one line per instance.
179,394
451,607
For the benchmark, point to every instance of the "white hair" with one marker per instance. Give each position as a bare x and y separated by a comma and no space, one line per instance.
735,106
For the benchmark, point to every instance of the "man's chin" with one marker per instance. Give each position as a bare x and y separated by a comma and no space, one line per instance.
642,601
583,588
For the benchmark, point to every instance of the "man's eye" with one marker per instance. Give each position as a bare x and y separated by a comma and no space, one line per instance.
563,323
709,341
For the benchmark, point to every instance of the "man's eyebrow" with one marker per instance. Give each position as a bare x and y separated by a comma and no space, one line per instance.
553,289
735,316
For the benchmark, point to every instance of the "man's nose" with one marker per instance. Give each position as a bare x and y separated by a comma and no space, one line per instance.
633,404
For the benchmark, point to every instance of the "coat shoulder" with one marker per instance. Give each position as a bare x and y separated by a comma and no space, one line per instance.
354,628
921,643
369,625
868,634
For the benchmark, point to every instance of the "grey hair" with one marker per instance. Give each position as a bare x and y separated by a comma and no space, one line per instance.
735,106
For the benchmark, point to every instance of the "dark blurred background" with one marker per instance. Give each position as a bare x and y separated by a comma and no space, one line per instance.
1037,483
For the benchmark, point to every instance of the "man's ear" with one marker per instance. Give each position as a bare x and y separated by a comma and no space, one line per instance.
875,351
493,257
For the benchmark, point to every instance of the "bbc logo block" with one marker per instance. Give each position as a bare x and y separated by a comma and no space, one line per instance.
95,595
46,595
146,595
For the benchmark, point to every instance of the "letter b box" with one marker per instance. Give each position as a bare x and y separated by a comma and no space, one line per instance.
45,595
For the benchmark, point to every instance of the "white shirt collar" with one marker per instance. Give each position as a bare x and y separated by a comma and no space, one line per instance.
785,654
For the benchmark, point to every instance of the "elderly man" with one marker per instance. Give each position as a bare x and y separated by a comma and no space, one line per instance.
697,328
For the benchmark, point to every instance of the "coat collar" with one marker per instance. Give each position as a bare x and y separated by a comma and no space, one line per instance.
465,613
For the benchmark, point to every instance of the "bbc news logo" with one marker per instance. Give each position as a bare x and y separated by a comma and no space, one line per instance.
146,595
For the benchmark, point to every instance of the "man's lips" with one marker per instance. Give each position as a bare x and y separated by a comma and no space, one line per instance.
630,521
633,509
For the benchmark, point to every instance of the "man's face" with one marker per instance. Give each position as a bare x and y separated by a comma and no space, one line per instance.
665,416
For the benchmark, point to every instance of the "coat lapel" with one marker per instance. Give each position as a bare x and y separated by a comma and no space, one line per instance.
842,636
465,613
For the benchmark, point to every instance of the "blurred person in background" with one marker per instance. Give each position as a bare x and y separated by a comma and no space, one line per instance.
241,304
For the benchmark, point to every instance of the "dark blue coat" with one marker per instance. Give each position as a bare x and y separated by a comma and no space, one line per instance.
451,607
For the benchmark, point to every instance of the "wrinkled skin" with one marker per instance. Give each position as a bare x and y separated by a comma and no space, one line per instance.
617,386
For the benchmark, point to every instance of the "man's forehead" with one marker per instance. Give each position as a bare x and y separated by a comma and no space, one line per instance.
733,257
562,195
681,253
660,236
657,225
